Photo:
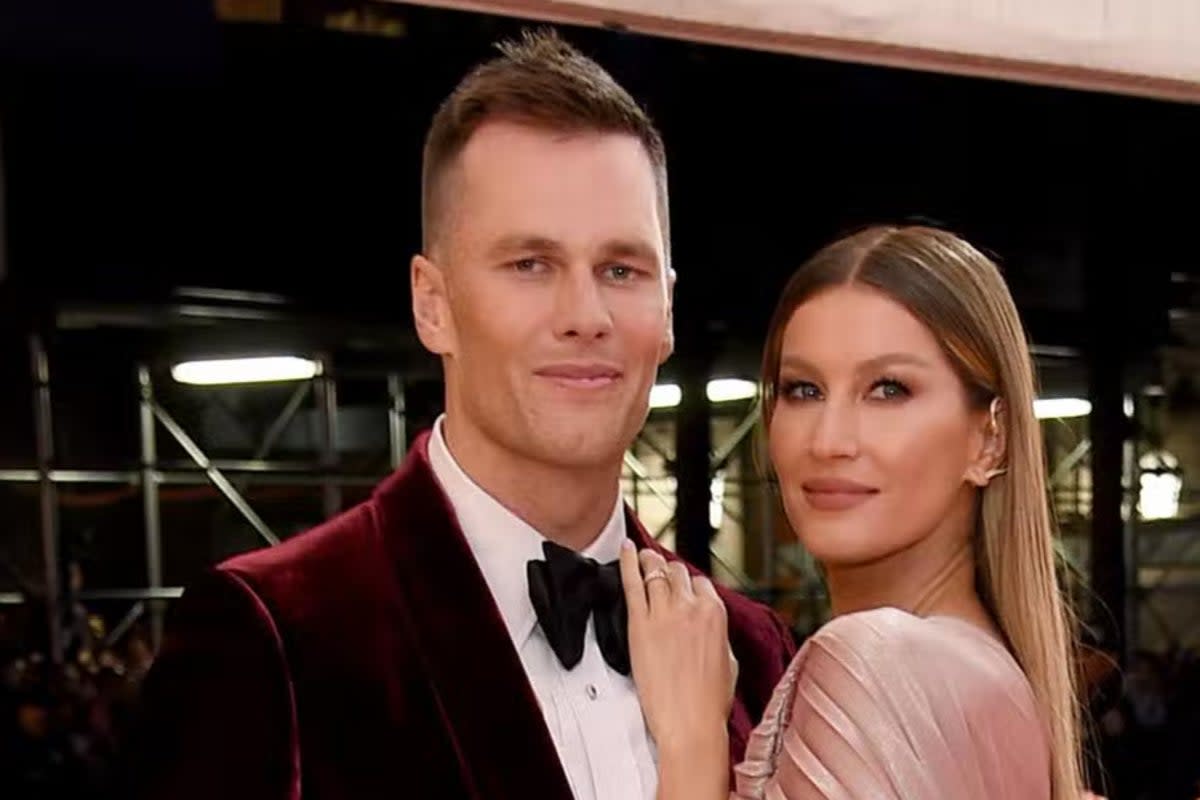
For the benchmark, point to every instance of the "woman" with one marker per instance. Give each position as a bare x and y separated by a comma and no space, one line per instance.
898,402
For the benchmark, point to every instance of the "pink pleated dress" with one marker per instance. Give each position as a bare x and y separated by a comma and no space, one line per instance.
885,704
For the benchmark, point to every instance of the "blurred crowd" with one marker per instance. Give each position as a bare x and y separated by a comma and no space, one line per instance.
63,726
1146,728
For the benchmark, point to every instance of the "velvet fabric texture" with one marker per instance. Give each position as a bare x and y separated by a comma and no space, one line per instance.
366,660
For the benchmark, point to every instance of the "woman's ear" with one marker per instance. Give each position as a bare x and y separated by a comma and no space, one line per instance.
990,457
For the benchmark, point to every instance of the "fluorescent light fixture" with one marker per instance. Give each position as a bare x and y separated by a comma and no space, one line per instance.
1061,407
227,371
725,390
665,395
719,390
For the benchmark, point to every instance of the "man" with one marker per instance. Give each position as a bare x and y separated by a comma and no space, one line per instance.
405,648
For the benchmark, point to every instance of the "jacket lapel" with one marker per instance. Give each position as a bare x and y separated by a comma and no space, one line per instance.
489,709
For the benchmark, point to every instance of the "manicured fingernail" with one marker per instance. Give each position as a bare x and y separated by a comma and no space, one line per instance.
626,544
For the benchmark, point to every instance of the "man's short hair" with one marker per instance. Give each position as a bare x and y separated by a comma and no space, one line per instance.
542,81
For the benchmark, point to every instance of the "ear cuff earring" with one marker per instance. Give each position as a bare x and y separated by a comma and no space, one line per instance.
994,427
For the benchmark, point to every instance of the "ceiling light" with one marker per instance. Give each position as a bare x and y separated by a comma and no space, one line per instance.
665,395
725,390
1061,407
228,371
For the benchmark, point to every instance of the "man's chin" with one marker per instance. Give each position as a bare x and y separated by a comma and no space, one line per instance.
580,447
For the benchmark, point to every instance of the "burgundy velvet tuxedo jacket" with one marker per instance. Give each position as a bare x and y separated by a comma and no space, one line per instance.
366,660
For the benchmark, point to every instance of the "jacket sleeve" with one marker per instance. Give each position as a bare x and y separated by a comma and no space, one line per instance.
216,717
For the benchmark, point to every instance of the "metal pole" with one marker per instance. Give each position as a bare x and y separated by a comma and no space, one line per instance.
1108,430
162,593
245,473
127,621
639,471
744,428
282,421
693,479
151,511
397,435
214,474
654,446
331,494
1133,452
48,493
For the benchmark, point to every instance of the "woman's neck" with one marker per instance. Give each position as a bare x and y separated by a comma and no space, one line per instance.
933,577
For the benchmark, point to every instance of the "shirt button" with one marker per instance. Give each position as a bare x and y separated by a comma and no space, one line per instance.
591,692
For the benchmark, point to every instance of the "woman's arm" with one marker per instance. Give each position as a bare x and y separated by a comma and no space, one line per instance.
695,770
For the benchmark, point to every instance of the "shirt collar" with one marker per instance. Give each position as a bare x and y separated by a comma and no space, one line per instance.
502,542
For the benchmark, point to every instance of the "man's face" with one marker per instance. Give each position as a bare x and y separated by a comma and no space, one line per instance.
547,293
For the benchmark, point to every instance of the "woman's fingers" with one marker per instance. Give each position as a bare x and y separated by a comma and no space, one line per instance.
656,578
707,595
681,581
631,581
705,591
679,649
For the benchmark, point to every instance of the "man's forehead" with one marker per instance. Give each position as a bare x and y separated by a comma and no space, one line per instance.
582,189
509,152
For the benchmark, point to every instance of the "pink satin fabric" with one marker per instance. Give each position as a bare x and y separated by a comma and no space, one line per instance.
884,704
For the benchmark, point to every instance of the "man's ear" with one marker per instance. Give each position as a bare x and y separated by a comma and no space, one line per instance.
668,343
431,306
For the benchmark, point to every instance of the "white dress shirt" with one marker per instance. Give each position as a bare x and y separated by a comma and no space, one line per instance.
592,711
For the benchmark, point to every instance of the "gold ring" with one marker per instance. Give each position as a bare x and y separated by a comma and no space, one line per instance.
654,575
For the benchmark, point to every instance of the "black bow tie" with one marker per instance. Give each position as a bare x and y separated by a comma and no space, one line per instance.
566,589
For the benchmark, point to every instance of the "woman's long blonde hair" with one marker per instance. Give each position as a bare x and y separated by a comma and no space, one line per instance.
960,295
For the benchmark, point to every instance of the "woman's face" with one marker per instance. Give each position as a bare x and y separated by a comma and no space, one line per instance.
872,436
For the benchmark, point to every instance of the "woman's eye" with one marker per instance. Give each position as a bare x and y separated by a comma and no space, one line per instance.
889,389
801,390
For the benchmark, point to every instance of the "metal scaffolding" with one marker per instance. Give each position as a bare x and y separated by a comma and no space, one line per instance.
1158,558
48,495
230,477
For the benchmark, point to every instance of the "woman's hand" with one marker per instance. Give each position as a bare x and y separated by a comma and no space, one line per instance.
684,670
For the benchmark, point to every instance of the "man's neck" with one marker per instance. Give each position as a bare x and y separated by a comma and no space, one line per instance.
569,507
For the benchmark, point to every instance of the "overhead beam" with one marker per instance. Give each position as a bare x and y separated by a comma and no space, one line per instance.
1136,47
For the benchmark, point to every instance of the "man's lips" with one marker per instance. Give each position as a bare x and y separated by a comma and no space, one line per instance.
581,374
